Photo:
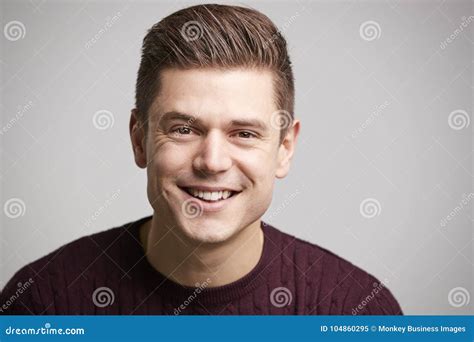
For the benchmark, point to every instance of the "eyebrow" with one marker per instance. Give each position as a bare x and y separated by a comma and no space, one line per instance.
256,123
174,115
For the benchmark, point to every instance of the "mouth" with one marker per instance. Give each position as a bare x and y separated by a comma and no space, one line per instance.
210,195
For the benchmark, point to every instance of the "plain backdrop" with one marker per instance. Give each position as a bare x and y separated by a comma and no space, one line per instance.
383,170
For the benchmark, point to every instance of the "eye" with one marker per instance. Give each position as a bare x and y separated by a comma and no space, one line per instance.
246,135
182,130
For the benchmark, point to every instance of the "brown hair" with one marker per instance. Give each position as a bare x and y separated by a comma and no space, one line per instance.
214,36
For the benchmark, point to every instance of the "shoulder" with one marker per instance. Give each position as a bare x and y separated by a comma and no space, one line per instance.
339,286
65,270
79,255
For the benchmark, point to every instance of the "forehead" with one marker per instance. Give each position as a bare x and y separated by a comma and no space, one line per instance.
213,93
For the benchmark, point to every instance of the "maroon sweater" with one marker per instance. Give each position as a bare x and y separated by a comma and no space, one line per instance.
108,273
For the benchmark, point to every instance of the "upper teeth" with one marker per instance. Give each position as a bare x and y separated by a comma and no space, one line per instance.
211,195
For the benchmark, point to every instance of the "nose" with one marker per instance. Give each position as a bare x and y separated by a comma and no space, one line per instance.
213,156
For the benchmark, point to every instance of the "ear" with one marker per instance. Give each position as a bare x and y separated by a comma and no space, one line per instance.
287,149
138,137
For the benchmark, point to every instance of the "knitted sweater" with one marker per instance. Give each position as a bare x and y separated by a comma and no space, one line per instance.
108,274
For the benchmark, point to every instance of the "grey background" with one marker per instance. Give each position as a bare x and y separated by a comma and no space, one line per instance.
73,179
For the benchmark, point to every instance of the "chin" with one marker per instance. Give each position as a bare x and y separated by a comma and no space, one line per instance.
201,231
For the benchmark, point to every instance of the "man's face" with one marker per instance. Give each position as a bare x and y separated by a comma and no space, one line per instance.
212,154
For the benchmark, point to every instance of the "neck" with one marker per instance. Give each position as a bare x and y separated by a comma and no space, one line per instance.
189,262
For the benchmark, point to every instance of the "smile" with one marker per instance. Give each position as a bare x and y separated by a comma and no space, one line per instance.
210,195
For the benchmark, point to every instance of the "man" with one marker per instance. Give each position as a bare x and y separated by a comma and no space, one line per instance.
214,127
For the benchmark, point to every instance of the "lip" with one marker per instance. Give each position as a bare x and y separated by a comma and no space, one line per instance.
210,206
208,188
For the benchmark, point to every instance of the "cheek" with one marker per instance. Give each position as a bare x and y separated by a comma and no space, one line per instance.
259,166
260,196
168,160
165,164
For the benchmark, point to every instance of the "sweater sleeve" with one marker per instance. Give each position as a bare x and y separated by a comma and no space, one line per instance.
16,298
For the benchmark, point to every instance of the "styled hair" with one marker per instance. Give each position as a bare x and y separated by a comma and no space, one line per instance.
214,36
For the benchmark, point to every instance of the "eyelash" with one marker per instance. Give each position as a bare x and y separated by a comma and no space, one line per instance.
176,130
252,135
